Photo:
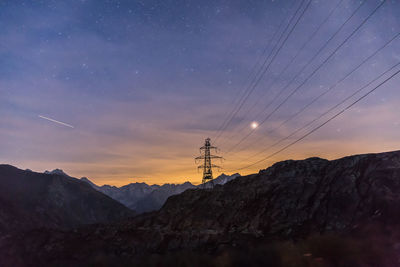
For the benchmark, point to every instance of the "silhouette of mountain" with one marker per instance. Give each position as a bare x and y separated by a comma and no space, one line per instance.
312,212
31,200
142,197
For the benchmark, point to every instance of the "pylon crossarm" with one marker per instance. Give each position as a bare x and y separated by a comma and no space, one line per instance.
215,157
208,147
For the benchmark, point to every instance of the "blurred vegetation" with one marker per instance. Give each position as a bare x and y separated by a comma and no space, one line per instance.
328,250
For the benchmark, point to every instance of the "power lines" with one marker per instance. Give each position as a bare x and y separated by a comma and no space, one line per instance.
313,57
325,122
311,74
249,78
306,74
290,64
330,88
265,66
325,113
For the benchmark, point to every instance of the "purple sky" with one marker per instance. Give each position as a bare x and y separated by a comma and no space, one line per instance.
143,83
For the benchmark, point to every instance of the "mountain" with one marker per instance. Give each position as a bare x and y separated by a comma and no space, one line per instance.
129,195
158,196
58,172
294,198
142,197
312,212
221,180
31,200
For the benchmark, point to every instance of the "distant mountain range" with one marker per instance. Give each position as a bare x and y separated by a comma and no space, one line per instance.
142,197
30,200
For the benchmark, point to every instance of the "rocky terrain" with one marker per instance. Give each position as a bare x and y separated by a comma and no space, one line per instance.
30,200
311,212
294,198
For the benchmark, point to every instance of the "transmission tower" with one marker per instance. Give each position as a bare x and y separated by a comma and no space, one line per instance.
205,154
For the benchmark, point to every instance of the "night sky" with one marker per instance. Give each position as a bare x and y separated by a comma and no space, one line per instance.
143,83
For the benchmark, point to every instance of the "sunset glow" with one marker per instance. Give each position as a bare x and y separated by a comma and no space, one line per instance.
128,93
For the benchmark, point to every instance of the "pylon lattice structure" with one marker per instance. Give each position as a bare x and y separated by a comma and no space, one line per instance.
205,154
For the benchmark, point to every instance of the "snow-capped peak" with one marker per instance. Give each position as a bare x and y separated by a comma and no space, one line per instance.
57,171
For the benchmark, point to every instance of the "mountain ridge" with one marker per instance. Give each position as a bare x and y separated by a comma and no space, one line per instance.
142,197
31,200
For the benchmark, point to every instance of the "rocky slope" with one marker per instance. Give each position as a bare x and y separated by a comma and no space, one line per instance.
343,212
31,200
294,198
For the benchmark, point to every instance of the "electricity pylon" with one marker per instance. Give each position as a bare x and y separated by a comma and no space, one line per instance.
205,153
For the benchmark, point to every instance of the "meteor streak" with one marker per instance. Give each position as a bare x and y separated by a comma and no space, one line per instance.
59,122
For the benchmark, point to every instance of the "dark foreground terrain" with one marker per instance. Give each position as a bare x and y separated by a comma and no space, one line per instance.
312,212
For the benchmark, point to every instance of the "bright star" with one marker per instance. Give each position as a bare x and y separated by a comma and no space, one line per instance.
254,125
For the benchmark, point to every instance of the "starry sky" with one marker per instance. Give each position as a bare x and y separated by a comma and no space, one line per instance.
143,83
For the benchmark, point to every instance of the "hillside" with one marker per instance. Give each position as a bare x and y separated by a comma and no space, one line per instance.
311,212
294,198
31,200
